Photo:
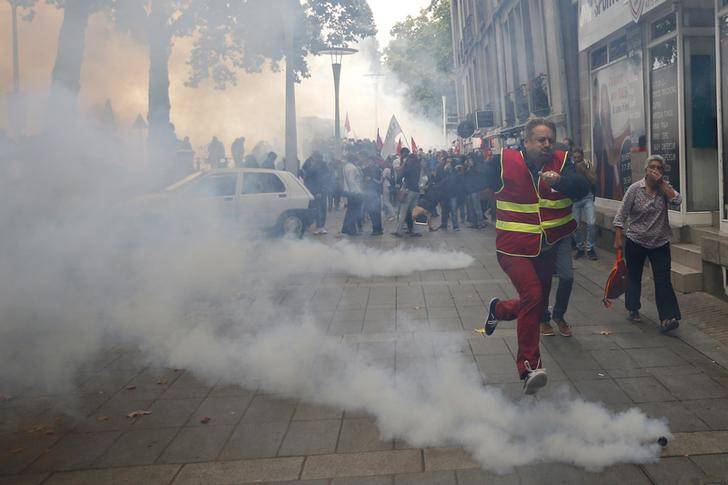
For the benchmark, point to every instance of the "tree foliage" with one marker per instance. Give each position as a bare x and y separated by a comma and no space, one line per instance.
421,55
246,35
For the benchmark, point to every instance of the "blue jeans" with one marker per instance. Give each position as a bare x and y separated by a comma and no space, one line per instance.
405,207
450,212
584,212
565,270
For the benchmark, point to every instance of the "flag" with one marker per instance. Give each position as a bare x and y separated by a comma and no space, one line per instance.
347,125
399,147
380,143
390,141
414,145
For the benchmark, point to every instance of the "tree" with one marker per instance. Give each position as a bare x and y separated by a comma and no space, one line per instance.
421,55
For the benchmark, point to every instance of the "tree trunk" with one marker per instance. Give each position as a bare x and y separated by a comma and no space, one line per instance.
66,81
160,49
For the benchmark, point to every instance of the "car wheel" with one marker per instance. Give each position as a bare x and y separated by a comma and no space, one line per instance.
291,227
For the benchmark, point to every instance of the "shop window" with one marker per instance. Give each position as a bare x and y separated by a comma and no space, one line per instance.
617,48
664,26
699,17
599,57
664,108
723,24
663,54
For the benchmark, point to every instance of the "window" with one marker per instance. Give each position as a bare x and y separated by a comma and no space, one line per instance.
599,57
663,54
617,48
664,26
699,17
217,185
262,183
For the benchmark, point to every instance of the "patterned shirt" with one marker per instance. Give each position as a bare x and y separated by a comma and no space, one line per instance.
647,215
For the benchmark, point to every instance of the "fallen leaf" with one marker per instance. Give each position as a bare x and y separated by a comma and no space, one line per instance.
130,388
417,307
49,432
58,419
481,331
162,382
204,420
600,374
15,451
138,414
604,332
102,418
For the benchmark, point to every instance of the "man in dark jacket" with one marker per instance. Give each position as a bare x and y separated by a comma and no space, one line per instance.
409,175
315,174
373,195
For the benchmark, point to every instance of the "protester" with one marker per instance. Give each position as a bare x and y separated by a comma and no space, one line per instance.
454,180
533,190
216,153
315,174
409,174
584,213
352,178
373,195
387,184
564,269
237,150
270,161
251,162
337,181
644,214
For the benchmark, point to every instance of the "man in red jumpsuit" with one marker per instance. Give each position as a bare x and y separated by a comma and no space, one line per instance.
534,189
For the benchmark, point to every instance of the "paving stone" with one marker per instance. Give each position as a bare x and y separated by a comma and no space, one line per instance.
713,411
137,447
613,359
306,411
714,466
697,443
644,389
74,451
269,408
495,364
448,459
678,470
236,472
311,437
167,413
426,478
25,479
480,477
655,357
116,410
488,346
601,390
381,480
697,386
28,446
680,418
361,435
255,440
196,444
220,410
301,482
362,464
148,475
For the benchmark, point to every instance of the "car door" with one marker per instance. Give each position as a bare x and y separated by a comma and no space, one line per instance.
262,198
214,195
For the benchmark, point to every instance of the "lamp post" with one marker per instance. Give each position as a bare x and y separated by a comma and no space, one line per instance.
337,54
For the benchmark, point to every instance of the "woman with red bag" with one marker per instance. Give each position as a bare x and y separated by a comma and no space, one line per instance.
644,208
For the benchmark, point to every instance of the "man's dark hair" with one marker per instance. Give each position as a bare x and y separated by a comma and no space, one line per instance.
577,150
404,152
534,122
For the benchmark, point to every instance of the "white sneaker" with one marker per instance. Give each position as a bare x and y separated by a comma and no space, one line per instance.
535,379
321,231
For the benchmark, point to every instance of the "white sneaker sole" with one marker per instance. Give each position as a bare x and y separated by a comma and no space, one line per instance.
535,383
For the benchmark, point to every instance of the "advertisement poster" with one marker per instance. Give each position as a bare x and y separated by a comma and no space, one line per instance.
663,87
618,124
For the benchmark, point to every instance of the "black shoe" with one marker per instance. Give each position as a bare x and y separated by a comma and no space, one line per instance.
592,255
377,233
579,254
669,325
396,234
415,234
457,229
491,321
441,228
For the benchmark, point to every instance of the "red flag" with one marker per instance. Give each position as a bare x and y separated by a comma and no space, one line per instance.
414,145
380,143
347,125
399,147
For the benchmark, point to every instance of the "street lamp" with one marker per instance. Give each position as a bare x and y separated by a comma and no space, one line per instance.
337,54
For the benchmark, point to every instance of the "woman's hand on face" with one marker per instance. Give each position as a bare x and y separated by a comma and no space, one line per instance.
654,175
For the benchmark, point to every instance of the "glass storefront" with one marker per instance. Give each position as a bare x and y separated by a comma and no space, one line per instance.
723,29
665,131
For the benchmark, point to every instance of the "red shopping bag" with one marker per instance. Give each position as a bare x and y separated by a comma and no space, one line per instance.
617,281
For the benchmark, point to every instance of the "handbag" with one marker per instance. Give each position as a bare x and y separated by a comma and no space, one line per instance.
617,282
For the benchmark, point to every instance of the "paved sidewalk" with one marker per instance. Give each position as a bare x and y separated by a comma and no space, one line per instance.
85,437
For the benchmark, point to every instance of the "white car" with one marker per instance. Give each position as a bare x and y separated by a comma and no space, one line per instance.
272,200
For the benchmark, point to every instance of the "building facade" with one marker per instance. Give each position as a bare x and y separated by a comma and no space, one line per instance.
515,59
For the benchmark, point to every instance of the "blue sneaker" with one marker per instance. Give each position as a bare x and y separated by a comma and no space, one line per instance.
491,322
